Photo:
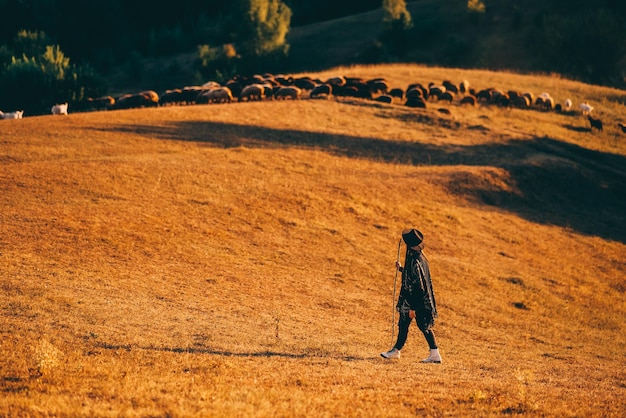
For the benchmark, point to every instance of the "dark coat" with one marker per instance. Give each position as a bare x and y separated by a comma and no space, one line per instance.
417,288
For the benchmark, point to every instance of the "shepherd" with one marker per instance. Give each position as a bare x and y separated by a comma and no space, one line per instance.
416,299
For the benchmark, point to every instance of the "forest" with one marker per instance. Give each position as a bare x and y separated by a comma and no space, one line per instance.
64,50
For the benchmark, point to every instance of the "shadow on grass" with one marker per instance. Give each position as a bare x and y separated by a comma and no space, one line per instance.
252,354
553,182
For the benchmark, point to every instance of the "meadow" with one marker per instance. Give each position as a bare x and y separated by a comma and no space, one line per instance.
238,259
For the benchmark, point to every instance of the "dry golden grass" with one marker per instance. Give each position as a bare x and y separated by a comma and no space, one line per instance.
238,260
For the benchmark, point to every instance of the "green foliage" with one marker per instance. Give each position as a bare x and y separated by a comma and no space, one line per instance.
476,6
35,83
217,63
260,32
395,10
263,27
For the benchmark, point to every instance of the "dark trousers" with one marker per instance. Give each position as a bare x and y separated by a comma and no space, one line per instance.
403,332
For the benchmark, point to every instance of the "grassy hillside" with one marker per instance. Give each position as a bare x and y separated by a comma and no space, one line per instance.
238,259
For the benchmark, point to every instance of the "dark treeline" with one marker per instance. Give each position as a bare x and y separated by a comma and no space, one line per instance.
104,30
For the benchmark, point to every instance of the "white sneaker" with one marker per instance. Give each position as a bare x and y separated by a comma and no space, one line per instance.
434,357
393,353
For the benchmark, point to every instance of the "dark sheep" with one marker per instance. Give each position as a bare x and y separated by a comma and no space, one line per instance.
595,123
378,85
464,87
470,100
415,93
446,96
450,86
398,93
304,83
322,90
416,102
385,98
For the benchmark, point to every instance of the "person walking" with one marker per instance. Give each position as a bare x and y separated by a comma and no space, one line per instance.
416,299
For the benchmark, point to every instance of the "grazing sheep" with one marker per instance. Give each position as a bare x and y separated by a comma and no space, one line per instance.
378,85
622,126
322,90
586,108
397,92
384,98
464,87
59,109
595,123
252,92
288,92
336,81
415,102
521,102
170,97
470,100
452,88
436,91
415,93
13,115
217,95
567,105
304,83
446,96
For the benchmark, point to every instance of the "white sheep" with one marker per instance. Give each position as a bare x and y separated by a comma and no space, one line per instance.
586,108
13,115
59,109
567,105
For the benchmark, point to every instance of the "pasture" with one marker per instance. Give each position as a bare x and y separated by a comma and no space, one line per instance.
238,259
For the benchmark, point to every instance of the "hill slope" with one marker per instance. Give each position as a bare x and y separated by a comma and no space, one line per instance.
238,259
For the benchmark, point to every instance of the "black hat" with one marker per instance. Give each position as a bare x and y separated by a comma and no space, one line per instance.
412,238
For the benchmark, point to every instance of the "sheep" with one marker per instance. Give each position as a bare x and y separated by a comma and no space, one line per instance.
288,92
415,93
219,95
446,96
586,108
470,100
304,83
521,102
415,102
148,98
13,115
322,90
464,87
336,81
59,109
252,92
397,92
378,85
567,105
436,91
595,123
384,98
452,88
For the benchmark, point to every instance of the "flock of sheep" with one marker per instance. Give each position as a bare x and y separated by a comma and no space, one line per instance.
281,87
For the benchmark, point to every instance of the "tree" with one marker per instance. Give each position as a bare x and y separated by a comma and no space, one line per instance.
395,10
263,26
394,37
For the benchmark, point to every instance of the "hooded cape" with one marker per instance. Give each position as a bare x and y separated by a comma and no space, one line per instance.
417,287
